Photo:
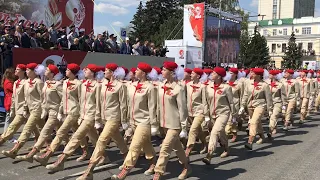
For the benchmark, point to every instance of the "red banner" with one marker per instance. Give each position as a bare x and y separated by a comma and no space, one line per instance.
61,13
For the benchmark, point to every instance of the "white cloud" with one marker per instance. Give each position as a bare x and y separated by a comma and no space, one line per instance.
317,13
123,3
117,23
254,3
110,9
100,29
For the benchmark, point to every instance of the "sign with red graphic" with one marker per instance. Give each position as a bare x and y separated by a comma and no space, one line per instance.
193,24
60,13
181,54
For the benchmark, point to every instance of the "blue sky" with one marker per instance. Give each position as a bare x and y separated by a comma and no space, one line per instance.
112,14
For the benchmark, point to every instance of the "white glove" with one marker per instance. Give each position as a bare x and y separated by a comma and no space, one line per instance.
298,103
43,114
60,117
183,134
284,107
125,126
207,119
80,121
97,125
25,114
270,113
11,114
241,111
154,131
234,120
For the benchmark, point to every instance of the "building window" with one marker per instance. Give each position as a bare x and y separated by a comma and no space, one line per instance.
310,46
300,45
265,32
275,2
306,30
273,49
284,47
274,32
285,31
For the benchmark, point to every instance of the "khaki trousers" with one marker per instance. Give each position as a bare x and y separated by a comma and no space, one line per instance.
33,123
317,103
311,103
85,128
218,133
290,111
255,115
231,127
304,106
276,113
195,130
71,122
141,140
170,142
13,127
47,129
110,130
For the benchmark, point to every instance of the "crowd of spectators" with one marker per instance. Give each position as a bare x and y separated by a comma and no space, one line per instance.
71,39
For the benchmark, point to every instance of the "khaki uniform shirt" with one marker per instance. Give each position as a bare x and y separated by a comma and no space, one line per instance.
172,106
90,101
18,98
257,96
278,92
52,93
33,95
194,98
291,88
313,87
304,87
71,91
218,100
142,100
113,101
236,92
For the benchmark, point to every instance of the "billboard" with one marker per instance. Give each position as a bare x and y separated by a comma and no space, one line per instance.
229,40
193,23
60,13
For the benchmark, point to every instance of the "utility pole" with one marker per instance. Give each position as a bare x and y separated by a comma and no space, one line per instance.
219,26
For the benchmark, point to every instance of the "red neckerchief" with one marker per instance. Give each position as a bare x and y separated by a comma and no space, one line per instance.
206,83
18,83
194,87
109,85
255,84
231,83
83,81
273,84
139,86
69,84
165,88
216,87
318,79
88,85
30,83
289,82
304,80
187,81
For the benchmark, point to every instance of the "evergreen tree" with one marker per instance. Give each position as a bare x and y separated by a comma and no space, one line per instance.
138,23
244,39
257,51
293,54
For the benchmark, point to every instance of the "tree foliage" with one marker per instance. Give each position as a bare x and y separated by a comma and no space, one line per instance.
293,54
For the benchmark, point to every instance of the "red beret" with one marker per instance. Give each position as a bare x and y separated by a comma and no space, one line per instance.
311,71
133,70
125,69
305,71
290,71
170,65
144,67
187,70
274,72
112,66
198,71
22,67
234,70
258,71
54,69
247,71
318,72
94,68
75,68
208,71
157,69
220,71
32,66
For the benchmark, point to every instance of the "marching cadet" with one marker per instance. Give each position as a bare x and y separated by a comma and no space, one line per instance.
113,112
17,104
173,118
317,101
187,75
32,108
313,92
52,92
304,85
142,99
90,117
218,107
236,86
194,102
68,114
257,97
278,98
292,91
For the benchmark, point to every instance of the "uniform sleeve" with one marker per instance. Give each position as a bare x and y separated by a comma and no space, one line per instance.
158,104
297,90
284,97
268,97
25,106
152,105
12,107
79,94
230,100
182,107
205,104
123,104
98,103
59,91
40,88
245,96
308,91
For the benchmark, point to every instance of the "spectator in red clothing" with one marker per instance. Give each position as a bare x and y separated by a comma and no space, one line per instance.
7,85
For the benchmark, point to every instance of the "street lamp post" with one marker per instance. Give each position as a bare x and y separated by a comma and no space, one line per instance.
219,26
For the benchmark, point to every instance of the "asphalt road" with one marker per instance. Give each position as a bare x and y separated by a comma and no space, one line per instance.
292,155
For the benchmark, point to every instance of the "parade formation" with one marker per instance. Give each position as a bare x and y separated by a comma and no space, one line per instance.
180,105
